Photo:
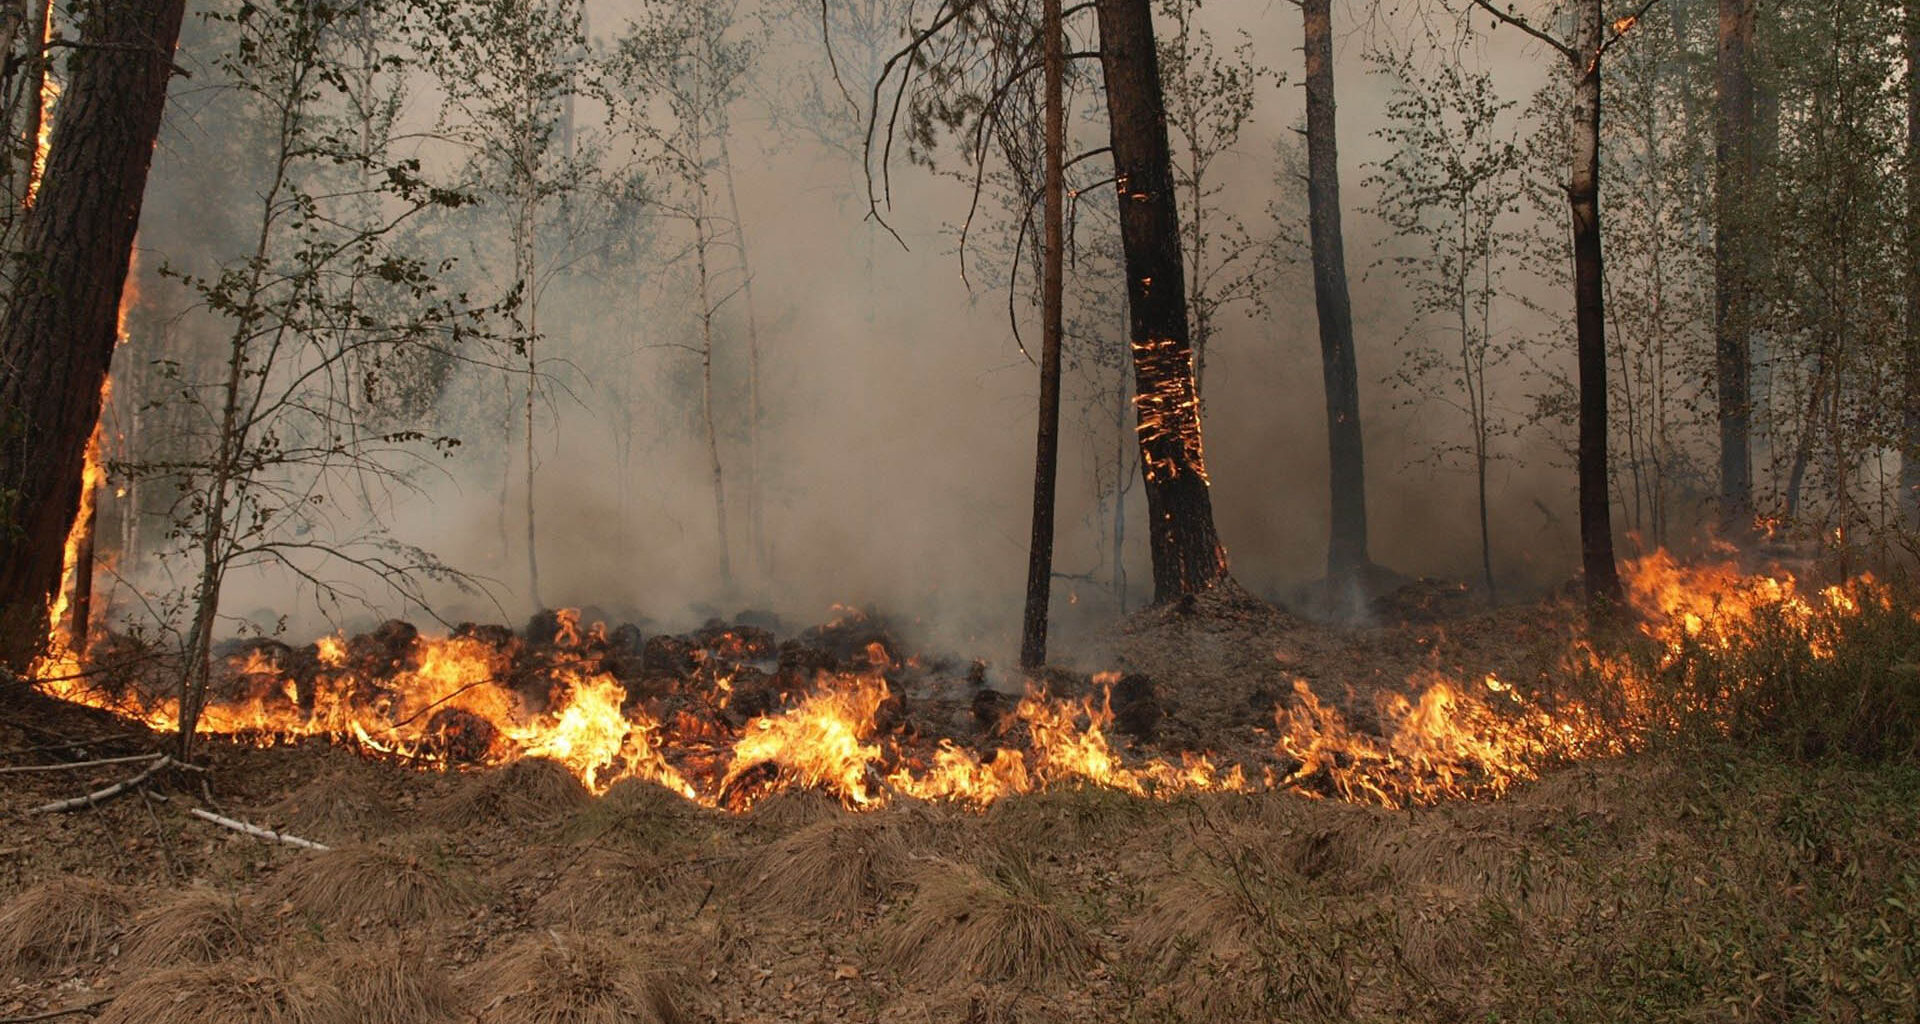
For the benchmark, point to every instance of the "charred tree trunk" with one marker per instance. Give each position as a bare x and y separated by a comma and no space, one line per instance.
1732,258
1347,540
1596,519
1910,453
1187,556
1033,635
59,331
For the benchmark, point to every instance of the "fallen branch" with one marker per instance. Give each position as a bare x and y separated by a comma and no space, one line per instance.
255,831
68,1012
100,796
18,769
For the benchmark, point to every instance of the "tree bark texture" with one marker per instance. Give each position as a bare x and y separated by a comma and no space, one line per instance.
1732,262
1186,552
1033,634
1910,454
1347,540
1596,521
57,337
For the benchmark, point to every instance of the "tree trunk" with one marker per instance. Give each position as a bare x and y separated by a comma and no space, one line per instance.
59,331
1347,539
1033,637
1910,454
1732,255
1187,556
1596,521
756,498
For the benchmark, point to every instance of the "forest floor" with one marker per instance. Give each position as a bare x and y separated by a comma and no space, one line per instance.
1680,884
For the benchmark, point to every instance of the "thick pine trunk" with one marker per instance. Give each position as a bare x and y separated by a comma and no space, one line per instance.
1596,521
1033,634
58,334
1347,540
1187,556
1732,262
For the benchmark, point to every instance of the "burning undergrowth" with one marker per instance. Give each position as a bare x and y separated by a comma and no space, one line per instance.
730,715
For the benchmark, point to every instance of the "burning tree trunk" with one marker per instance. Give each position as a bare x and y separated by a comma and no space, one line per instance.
1347,540
1033,641
60,328
1187,556
1732,259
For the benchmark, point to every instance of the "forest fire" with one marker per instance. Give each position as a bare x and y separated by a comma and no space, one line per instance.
723,717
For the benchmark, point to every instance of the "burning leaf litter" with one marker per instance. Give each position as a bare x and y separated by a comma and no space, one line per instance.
710,718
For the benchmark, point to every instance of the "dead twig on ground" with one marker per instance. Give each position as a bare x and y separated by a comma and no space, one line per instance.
93,1007
100,796
255,831
68,766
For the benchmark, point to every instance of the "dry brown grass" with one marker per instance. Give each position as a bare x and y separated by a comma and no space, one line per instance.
197,927
388,885
558,977
393,983
61,922
524,792
236,992
832,868
613,888
341,805
1002,923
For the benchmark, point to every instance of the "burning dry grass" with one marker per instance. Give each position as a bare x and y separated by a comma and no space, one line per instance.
559,977
61,922
527,791
393,983
379,885
832,868
199,926
1000,923
236,992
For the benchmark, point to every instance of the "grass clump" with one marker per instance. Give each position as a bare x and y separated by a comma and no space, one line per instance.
558,977
61,922
199,926
236,992
1000,923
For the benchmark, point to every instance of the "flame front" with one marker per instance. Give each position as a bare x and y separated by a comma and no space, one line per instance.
463,700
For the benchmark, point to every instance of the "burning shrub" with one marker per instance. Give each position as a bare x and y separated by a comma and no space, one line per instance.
572,978
61,922
200,926
231,993
997,924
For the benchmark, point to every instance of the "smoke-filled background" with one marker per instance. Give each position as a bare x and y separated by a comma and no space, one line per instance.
891,461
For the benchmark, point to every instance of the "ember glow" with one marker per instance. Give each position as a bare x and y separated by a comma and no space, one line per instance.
484,697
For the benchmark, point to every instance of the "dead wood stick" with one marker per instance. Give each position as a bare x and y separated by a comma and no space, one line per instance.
18,769
255,831
100,796
51,1014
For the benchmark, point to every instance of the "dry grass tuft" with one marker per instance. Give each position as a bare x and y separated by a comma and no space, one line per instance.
61,922
573,978
392,983
341,805
613,888
785,811
532,790
379,885
641,816
999,924
832,868
199,926
236,992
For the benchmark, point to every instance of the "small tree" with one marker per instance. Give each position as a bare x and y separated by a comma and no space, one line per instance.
1453,179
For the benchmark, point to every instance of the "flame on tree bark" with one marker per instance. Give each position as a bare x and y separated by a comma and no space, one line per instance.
1346,463
1732,262
1187,556
1033,643
57,338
